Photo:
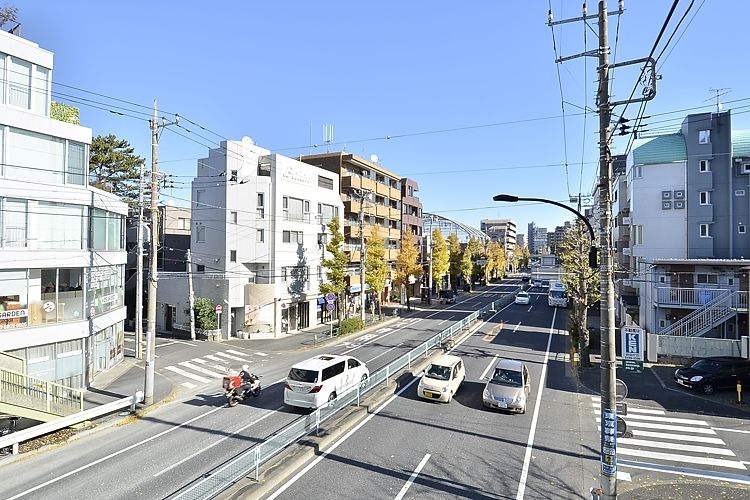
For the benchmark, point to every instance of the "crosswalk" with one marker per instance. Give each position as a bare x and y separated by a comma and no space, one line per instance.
211,367
659,437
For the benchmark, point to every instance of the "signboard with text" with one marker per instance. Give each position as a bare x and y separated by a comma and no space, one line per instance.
632,343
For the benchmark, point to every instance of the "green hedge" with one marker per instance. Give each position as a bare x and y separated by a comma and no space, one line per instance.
351,325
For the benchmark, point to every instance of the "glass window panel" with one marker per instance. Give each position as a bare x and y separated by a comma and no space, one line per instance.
2,78
114,231
60,225
14,223
76,163
98,229
40,89
14,311
32,156
19,83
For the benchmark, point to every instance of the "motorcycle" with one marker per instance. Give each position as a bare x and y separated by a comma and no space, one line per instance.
10,429
235,393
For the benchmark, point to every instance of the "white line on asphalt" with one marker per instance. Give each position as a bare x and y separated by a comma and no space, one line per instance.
645,411
182,372
666,427
678,437
442,322
112,455
129,349
228,356
674,457
389,350
532,431
189,385
623,476
238,353
413,476
262,354
730,430
221,368
217,442
684,471
529,309
214,358
675,447
492,363
380,337
666,420
516,328
200,369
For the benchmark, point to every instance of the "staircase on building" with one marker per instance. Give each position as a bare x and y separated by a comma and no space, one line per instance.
712,314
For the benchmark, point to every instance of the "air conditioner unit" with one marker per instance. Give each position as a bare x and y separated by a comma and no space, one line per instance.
626,221
745,168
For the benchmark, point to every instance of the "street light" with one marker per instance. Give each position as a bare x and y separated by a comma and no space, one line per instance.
592,249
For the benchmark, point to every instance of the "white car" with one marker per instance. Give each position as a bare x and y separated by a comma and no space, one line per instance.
321,379
522,298
442,379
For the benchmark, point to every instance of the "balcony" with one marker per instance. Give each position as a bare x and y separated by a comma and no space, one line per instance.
349,182
696,297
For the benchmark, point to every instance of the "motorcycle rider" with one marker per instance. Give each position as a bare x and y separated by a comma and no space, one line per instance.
247,380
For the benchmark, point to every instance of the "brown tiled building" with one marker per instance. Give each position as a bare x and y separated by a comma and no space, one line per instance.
411,213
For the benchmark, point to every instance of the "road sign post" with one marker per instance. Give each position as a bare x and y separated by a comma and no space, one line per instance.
219,308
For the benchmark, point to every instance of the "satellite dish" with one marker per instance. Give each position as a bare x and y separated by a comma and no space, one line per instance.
247,141
374,158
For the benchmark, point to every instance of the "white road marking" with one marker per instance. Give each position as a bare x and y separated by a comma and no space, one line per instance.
537,405
214,358
666,420
182,372
189,385
666,427
112,455
380,337
675,447
238,353
623,476
413,476
730,430
492,363
217,442
221,368
678,437
200,369
674,457
529,309
261,354
644,411
228,356
384,352
516,328
685,471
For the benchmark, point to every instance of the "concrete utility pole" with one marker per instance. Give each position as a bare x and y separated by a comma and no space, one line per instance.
191,294
606,285
148,391
139,271
362,255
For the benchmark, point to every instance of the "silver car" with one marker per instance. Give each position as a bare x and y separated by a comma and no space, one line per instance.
508,387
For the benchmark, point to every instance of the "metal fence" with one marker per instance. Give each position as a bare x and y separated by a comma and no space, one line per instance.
250,462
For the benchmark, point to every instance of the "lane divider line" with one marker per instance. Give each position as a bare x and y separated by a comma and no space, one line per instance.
413,476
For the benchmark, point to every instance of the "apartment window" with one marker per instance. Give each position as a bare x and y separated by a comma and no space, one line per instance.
662,279
19,83
704,197
325,182
13,223
705,230
706,279
294,208
200,197
307,206
233,256
261,209
260,199
704,137
292,237
704,166
320,273
638,235
233,217
77,161
730,281
35,157
200,234
637,172
260,236
741,229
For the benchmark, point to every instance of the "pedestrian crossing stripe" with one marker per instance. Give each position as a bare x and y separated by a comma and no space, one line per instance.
221,368
188,364
238,353
645,411
189,385
676,447
261,354
678,437
229,356
187,374
719,462
214,358
667,427
666,420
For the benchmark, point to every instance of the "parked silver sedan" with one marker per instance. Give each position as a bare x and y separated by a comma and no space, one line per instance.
508,387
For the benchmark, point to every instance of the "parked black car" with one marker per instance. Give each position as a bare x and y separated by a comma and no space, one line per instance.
709,374
447,297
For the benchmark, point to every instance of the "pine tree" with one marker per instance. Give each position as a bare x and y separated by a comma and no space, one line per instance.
582,283
376,265
335,265
114,167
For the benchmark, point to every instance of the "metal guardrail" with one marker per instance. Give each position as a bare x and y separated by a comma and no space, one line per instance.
19,389
249,462
39,430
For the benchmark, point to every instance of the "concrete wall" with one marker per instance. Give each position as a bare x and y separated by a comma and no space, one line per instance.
697,347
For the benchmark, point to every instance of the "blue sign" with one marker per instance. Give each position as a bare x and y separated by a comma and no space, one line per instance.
330,297
632,343
609,442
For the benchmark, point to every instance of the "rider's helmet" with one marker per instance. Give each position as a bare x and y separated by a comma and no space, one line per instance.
245,368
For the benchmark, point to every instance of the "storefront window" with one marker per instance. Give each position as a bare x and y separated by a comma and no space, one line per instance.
105,289
61,297
14,312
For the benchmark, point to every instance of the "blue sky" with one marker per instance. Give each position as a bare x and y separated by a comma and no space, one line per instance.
468,91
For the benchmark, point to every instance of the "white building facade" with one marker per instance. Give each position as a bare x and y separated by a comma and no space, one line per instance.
258,236
62,250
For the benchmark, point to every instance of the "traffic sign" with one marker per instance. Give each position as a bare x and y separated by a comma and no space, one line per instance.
632,343
330,306
330,297
219,308
632,365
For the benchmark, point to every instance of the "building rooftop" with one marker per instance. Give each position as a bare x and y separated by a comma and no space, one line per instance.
740,143
658,149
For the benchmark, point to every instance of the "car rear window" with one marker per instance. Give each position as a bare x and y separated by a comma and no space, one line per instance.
299,375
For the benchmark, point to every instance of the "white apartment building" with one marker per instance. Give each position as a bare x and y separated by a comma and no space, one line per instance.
258,238
61,242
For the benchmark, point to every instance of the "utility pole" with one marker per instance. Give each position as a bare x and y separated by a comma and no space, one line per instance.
139,271
607,305
362,255
148,390
191,294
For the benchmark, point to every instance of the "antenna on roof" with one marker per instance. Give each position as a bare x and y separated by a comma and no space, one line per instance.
327,136
719,93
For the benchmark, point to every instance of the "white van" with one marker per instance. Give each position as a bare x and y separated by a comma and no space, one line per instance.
321,379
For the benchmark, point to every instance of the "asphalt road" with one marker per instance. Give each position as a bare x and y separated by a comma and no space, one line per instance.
175,443
413,448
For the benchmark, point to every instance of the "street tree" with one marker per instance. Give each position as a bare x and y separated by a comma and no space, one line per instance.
407,264
8,14
335,264
440,263
582,283
524,256
454,259
376,265
496,261
114,167
465,266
